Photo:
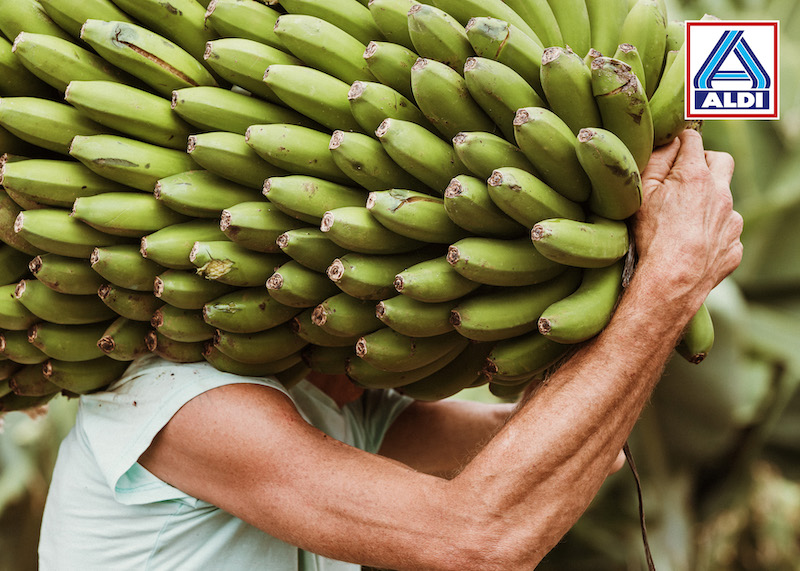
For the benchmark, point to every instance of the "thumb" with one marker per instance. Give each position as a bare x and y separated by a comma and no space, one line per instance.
660,163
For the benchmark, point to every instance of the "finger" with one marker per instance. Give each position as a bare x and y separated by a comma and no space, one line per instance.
691,154
661,162
721,166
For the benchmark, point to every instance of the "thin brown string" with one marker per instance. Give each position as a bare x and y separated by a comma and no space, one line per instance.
629,457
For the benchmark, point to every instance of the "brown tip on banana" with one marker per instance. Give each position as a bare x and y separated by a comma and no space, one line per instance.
275,281
372,47
225,220
454,189
95,256
453,255
107,344
399,284
319,316
586,135
191,144
382,129
356,90
380,309
361,347
104,291
421,63
496,179
174,103
19,291
35,265
327,222
544,326
282,241
336,270
158,287
158,319
336,140
455,318
19,222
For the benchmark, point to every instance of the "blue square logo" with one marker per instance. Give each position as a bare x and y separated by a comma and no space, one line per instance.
732,69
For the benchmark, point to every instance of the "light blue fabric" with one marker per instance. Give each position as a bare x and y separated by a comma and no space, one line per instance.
106,512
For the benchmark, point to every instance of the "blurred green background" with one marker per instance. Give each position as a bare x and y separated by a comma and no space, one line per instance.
718,449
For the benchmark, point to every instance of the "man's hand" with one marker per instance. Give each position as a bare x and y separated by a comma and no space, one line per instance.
686,230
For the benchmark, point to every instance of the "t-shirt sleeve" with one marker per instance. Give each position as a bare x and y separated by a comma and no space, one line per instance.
379,409
119,424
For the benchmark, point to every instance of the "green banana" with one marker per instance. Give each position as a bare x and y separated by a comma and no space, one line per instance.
365,375
14,146
310,247
500,91
467,203
66,275
482,152
573,22
57,232
293,375
414,215
261,347
9,212
492,261
676,35
54,183
68,342
186,290
15,79
324,46
70,15
420,153
698,337
459,374
13,315
526,355
129,162
124,266
372,102
12,402
45,123
391,18
510,312
223,362
500,41
363,159
346,316
435,34
539,16
623,106
627,53
30,382
124,339
616,183
178,324
551,147
182,21
327,360
247,310
415,318
125,213
443,98
13,265
371,277
7,370
170,247
588,310
308,198
295,285
465,10
433,281
27,16
355,229
306,329
596,243
57,62
174,351
134,305
218,109
23,201
669,60
667,103
60,308
199,194
256,225
391,65
130,111
153,59
528,200
244,19
645,27
83,377
295,149
388,350
351,16
605,19
228,155
567,84
14,345
229,263
313,93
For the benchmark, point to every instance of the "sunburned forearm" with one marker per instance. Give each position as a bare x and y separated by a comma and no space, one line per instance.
545,466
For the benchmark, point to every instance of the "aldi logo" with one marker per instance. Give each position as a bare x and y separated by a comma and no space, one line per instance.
732,70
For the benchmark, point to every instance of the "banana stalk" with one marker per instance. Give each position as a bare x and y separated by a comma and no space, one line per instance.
327,360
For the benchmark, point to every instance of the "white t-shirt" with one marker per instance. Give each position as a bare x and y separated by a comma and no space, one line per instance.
106,512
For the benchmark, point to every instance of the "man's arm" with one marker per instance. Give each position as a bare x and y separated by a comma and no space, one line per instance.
245,448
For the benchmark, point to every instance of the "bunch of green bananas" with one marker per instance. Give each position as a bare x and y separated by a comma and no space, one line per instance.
435,195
